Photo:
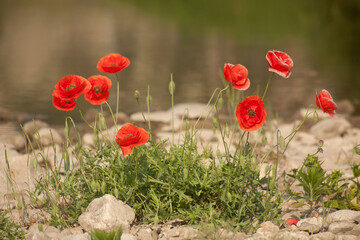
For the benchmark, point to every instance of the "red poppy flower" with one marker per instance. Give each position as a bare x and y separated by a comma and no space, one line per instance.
236,75
130,136
292,221
99,91
279,63
326,102
71,87
64,104
251,113
113,63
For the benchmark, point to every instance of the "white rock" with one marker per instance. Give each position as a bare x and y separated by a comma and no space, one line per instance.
83,236
329,128
146,234
346,237
337,227
279,235
31,127
323,236
48,136
157,116
108,136
107,214
128,236
267,227
342,216
192,110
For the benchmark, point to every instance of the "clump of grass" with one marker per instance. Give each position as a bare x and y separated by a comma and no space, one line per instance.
8,229
163,184
101,235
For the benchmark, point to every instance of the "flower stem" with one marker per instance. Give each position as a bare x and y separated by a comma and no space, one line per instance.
267,86
117,97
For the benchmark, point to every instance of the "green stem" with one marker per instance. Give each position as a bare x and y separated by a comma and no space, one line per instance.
117,96
267,86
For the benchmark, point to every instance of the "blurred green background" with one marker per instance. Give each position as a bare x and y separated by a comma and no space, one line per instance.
42,41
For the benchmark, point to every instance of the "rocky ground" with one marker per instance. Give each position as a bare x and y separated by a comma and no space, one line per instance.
339,134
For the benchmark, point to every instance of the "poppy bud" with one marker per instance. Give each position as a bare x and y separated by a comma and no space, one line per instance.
220,102
137,94
315,116
171,86
102,121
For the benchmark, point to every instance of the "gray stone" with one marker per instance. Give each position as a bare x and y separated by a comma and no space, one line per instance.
345,107
31,127
338,227
128,236
37,236
48,137
279,236
224,234
308,227
268,227
182,233
83,236
107,214
147,234
323,236
346,237
239,236
355,230
329,128
342,215
311,225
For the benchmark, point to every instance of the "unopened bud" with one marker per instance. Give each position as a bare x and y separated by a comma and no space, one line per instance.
171,86
137,94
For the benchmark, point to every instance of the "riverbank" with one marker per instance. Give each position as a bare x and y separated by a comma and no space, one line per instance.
339,135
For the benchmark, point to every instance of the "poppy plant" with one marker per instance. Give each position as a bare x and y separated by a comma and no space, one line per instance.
326,102
113,63
236,75
251,113
64,104
99,91
130,136
279,63
71,87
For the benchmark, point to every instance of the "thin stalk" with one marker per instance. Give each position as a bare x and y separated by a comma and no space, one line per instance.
267,86
117,96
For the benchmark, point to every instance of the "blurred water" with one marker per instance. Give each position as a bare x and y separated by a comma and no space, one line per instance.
42,41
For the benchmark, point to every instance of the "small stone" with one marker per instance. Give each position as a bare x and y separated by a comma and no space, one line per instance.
268,227
31,127
329,128
279,236
308,227
48,137
83,236
346,237
345,107
338,227
342,215
128,236
355,230
37,236
311,225
323,236
146,234
239,236
224,234
357,219
107,214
